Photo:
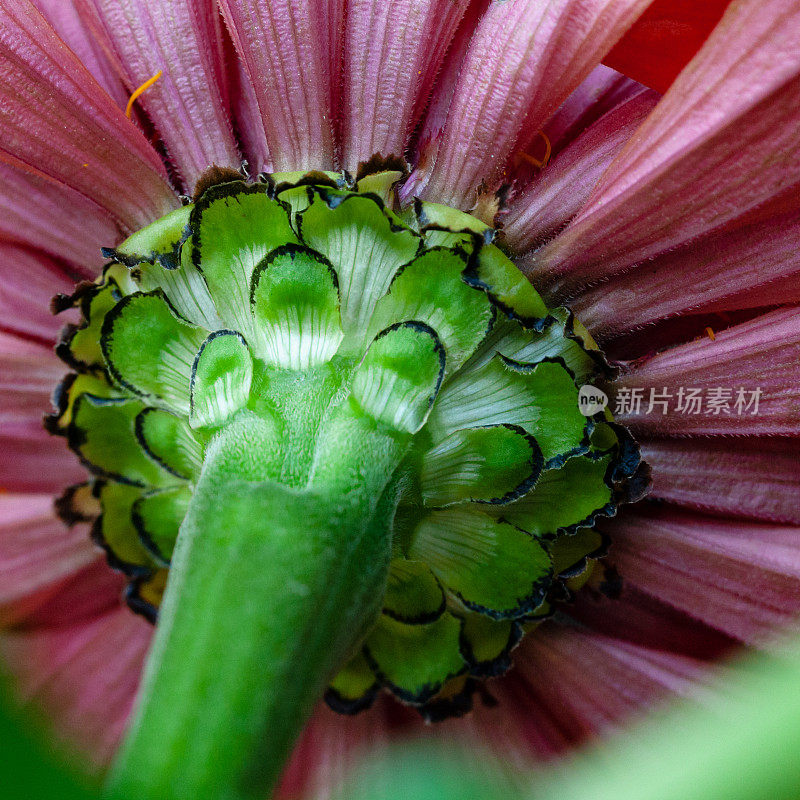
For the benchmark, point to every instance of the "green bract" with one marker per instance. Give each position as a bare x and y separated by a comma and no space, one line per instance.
305,307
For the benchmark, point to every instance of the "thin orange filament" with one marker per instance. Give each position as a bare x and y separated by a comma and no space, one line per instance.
547,153
138,92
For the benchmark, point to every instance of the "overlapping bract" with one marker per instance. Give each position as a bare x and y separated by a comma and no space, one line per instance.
308,291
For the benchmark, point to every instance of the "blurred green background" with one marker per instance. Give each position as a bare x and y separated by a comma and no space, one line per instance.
740,740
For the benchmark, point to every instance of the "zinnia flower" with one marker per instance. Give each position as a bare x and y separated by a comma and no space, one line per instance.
667,226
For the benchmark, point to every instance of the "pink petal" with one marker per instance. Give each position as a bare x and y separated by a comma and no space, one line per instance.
67,22
551,200
28,368
247,115
36,548
750,477
723,278
721,142
188,105
28,374
84,675
392,54
570,683
33,460
742,578
602,90
634,616
58,120
27,283
762,355
29,202
289,51
86,593
525,59
329,747
432,126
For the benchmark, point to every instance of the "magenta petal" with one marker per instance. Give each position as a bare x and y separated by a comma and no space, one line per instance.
641,619
28,374
602,90
551,200
84,594
84,675
290,54
33,460
525,59
432,126
742,578
751,477
329,747
36,549
27,283
722,141
66,19
29,202
188,105
60,121
724,277
392,53
761,356
570,683
247,116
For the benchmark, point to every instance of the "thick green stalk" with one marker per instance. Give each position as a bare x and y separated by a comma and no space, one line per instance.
271,588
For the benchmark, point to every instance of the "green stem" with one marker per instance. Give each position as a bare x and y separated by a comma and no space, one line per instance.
271,589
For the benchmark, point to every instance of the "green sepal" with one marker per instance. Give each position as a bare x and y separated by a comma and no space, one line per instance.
400,375
583,480
542,399
144,593
491,566
102,434
157,243
150,350
79,346
494,273
234,227
115,532
429,289
576,331
184,287
486,644
437,216
296,188
571,551
168,440
415,661
496,464
220,379
413,595
354,688
629,475
157,516
366,244
280,181
381,184
79,503
555,339
67,393
380,175
453,701
295,299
